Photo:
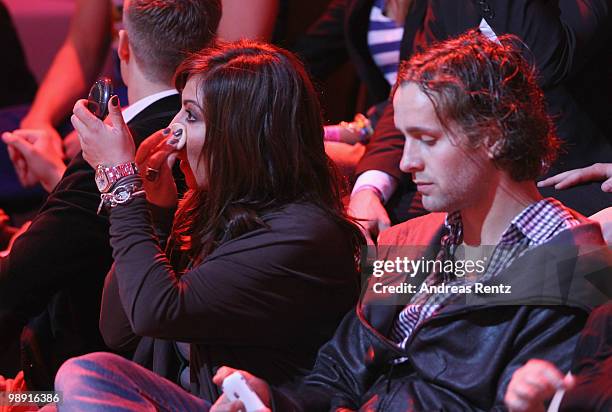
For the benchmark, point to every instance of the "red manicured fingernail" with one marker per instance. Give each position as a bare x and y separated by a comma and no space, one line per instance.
115,100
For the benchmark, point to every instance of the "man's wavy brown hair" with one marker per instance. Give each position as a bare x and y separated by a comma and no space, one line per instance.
488,90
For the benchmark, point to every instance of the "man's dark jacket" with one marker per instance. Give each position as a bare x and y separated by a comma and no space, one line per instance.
461,359
53,278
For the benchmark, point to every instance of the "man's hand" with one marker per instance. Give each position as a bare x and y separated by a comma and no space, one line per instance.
533,384
259,386
37,156
593,173
157,153
366,206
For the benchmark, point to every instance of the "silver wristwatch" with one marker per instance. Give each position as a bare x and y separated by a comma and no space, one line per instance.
107,176
121,195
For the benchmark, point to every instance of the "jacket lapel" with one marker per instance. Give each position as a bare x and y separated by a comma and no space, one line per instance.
380,309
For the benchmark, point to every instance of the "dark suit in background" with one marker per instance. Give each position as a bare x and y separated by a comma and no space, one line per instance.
567,41
17,85
340,35
17,89
52,280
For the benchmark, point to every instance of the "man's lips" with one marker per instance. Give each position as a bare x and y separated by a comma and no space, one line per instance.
422,186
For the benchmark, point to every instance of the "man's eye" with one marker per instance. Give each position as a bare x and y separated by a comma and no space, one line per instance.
428,140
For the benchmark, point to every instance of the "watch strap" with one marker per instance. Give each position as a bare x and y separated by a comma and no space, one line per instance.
114,173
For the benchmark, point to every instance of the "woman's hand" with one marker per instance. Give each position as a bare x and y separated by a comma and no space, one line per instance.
155,158
107,143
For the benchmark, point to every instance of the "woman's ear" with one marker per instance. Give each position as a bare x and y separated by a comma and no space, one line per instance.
123,49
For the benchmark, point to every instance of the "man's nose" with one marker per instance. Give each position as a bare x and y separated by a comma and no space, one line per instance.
411,158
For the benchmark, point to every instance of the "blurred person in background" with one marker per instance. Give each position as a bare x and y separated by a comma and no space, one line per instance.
368,34
51,281
587,388
17,89
17,84
80,60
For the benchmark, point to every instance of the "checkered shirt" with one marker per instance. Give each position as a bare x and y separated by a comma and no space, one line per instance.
535,225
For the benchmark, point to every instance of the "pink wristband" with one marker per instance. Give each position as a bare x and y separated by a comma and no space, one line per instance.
332,133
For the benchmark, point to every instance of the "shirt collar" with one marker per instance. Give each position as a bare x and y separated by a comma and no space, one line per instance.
134,109
538,222
454,225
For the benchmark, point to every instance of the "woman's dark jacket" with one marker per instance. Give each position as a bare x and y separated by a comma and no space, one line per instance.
265,301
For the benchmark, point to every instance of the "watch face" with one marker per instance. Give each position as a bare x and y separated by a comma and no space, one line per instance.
101,180
122,196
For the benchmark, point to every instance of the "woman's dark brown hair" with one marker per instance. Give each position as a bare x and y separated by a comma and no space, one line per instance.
263,147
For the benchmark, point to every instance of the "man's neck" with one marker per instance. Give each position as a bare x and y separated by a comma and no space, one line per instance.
485,223
139,86
140,90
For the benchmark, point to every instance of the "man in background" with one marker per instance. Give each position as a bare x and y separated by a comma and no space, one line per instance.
52,280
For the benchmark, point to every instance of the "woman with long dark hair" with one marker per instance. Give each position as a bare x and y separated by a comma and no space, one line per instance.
263,259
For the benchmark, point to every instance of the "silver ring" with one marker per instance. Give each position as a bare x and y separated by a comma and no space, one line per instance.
151,174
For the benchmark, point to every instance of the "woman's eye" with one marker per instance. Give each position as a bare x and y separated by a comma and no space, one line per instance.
190,117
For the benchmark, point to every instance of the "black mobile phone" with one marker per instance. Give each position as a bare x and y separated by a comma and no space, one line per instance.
99,95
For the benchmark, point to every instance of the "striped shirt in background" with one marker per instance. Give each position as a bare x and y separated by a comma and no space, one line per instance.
384,38
535,225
